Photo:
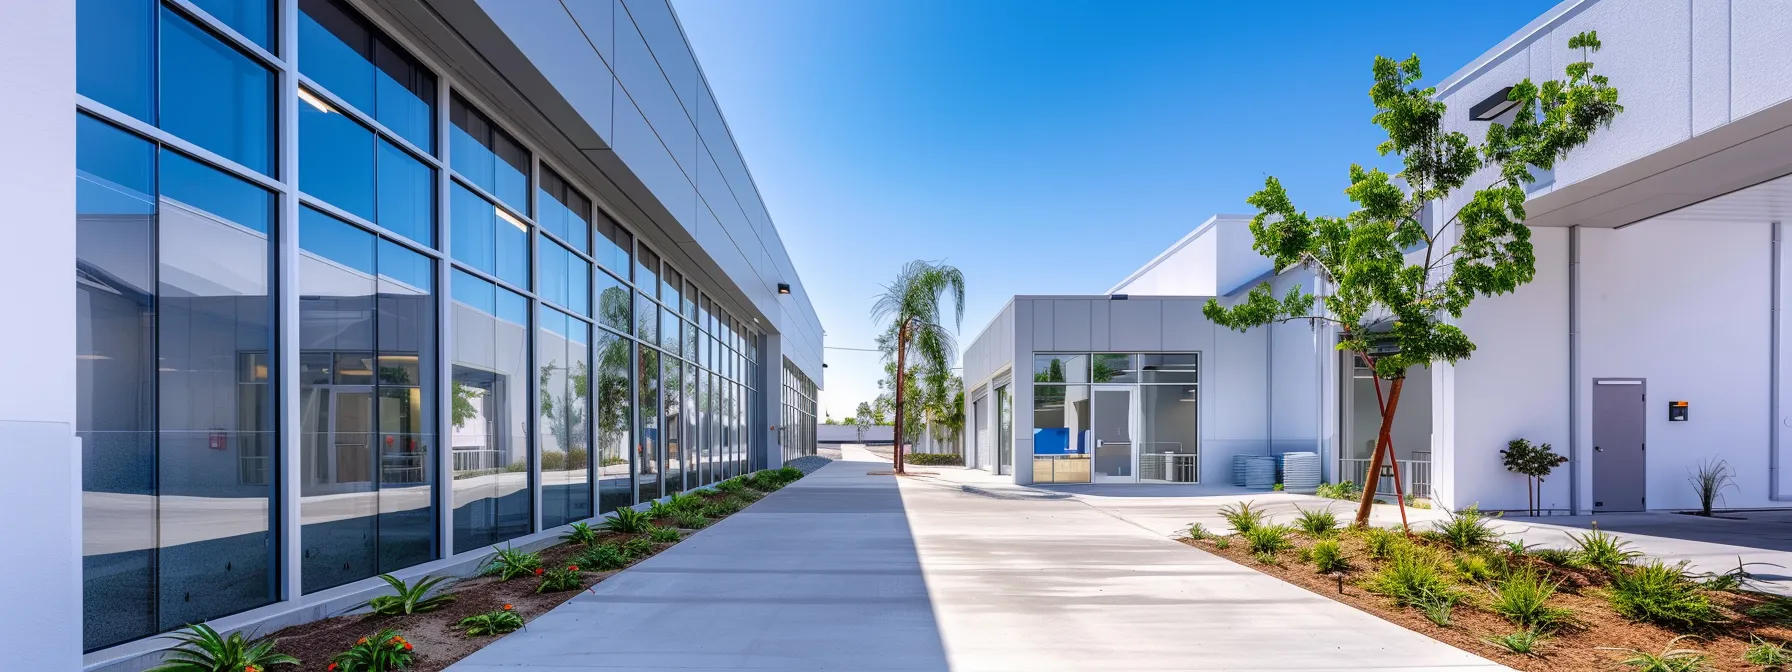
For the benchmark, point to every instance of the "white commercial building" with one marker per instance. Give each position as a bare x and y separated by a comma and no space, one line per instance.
1660,280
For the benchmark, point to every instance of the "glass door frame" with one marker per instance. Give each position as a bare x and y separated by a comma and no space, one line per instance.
1132,431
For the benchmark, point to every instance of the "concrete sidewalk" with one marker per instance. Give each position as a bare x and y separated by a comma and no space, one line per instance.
847,571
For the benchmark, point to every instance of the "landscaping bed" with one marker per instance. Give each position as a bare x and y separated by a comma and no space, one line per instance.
1462,585
514,587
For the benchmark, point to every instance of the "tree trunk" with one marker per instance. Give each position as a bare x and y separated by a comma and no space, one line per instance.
1373,477
1530,499
901,350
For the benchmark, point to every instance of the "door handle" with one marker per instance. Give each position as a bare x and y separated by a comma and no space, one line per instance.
1597,449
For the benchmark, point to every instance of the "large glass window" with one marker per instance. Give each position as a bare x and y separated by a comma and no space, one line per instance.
565,212
673,424
670,336
1061,434
115,54
1113,368
565,278
647,319
367,387
615,421
173,391
613,246
487,156
565,403
347,165
488,238
615,307
694,474
253,19
489,413
1004,431
341,51
647,457
215,96
1060,368
647,270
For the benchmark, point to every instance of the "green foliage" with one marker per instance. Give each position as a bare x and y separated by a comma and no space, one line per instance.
508,563
560,579
1709,482
915,331
1327,555
1663,594
1413,575
1317,523
628,521
1265,558
1534,462
722,508
1557,556
1242,517
1345,490
1437,607
1523,598
1523,642
581,533
202,649
1777,610
1517,548
1735,579
1222,543
1383,542
1198,531
1270,539
660,510
1765,654
934,459
1473,567
602,558
638,547
413,599
383,651
689,520
1600,550
1277,487
1467,529
1669,660
732,485
495,622
664,535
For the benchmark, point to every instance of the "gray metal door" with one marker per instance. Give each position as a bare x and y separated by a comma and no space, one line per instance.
1619,466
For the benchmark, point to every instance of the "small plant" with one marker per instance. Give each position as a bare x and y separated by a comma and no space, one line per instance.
495,622
1269,539
383,651
1222,543
788,474
1777,610
1242,517
722,508
1710,481
689,520
413,599
1437,606
663,535
1265,558
1474,567
1661,593
581,533
1327,555
202,649
603,557
1602,551
1735,579
732,485
508,563
1317,523
1669,660
1517,548
1767,655
1523,598
1277,487
685,502
638,547
660,510
1411,575
1557,556
1534,462
1198,531
1417,502
1467,529
1382,542
559,579
628,521
1343,490
1523,642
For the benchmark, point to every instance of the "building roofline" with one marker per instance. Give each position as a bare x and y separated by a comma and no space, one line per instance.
1513,44
1201,228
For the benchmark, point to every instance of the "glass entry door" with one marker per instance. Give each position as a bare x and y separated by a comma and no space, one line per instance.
1114,426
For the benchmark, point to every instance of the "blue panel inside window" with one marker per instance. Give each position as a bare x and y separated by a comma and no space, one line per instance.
217,192
400,263
578,294
473,291
115,55
117,169
215,96
254,19
553,272
513,307
471,219
335,50
487,156
406,202
336,240
552,321
405,96
513,250
336,159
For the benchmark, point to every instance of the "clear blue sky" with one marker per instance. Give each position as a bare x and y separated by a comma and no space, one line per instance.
1043,147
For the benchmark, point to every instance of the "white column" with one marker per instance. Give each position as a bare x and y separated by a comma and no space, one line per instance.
37,408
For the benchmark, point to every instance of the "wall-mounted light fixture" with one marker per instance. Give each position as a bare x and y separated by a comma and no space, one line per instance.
783,288
1493,106
1116,297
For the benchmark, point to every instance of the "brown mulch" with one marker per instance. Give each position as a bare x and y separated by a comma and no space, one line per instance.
437,642
1583,647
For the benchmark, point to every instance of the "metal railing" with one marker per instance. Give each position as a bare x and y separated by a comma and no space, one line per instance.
1415,474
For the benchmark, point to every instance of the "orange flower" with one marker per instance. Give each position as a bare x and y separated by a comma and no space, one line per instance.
572,568
407,646
538,571
362,641
331,668
508,607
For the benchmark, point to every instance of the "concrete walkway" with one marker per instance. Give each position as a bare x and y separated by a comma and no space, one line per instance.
846,571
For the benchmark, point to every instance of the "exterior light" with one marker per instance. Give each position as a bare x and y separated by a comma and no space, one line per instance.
783,288
315,101
513,220
1493,106
1116,297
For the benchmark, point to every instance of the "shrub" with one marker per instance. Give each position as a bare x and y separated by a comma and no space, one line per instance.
1762,653
1316,523
496,622
1777,610
1602,551
638,547
1344,490
1222,543
934,459
1242,517
628,521
723,508
1556,556
788,474
1710,481
1661,593
732,485
1278,487
689,520
509,563
1265,558
413,599
660,510
1474,567
1467,529
581,533
1669,660
1517,547
1523,598
1270,539
1382,542
664,535
1327,555
1411,575
1198,531
202,649
603,557
559,579
1437,606
1523,642
383,651
686,502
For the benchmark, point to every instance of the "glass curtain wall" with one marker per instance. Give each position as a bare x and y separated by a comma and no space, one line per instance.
179,376
796,430
1167,407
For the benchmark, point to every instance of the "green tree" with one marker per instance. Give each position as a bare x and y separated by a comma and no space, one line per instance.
1394,283
911,305
1534,461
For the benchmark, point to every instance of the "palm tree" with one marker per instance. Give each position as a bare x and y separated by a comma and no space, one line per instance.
911,304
